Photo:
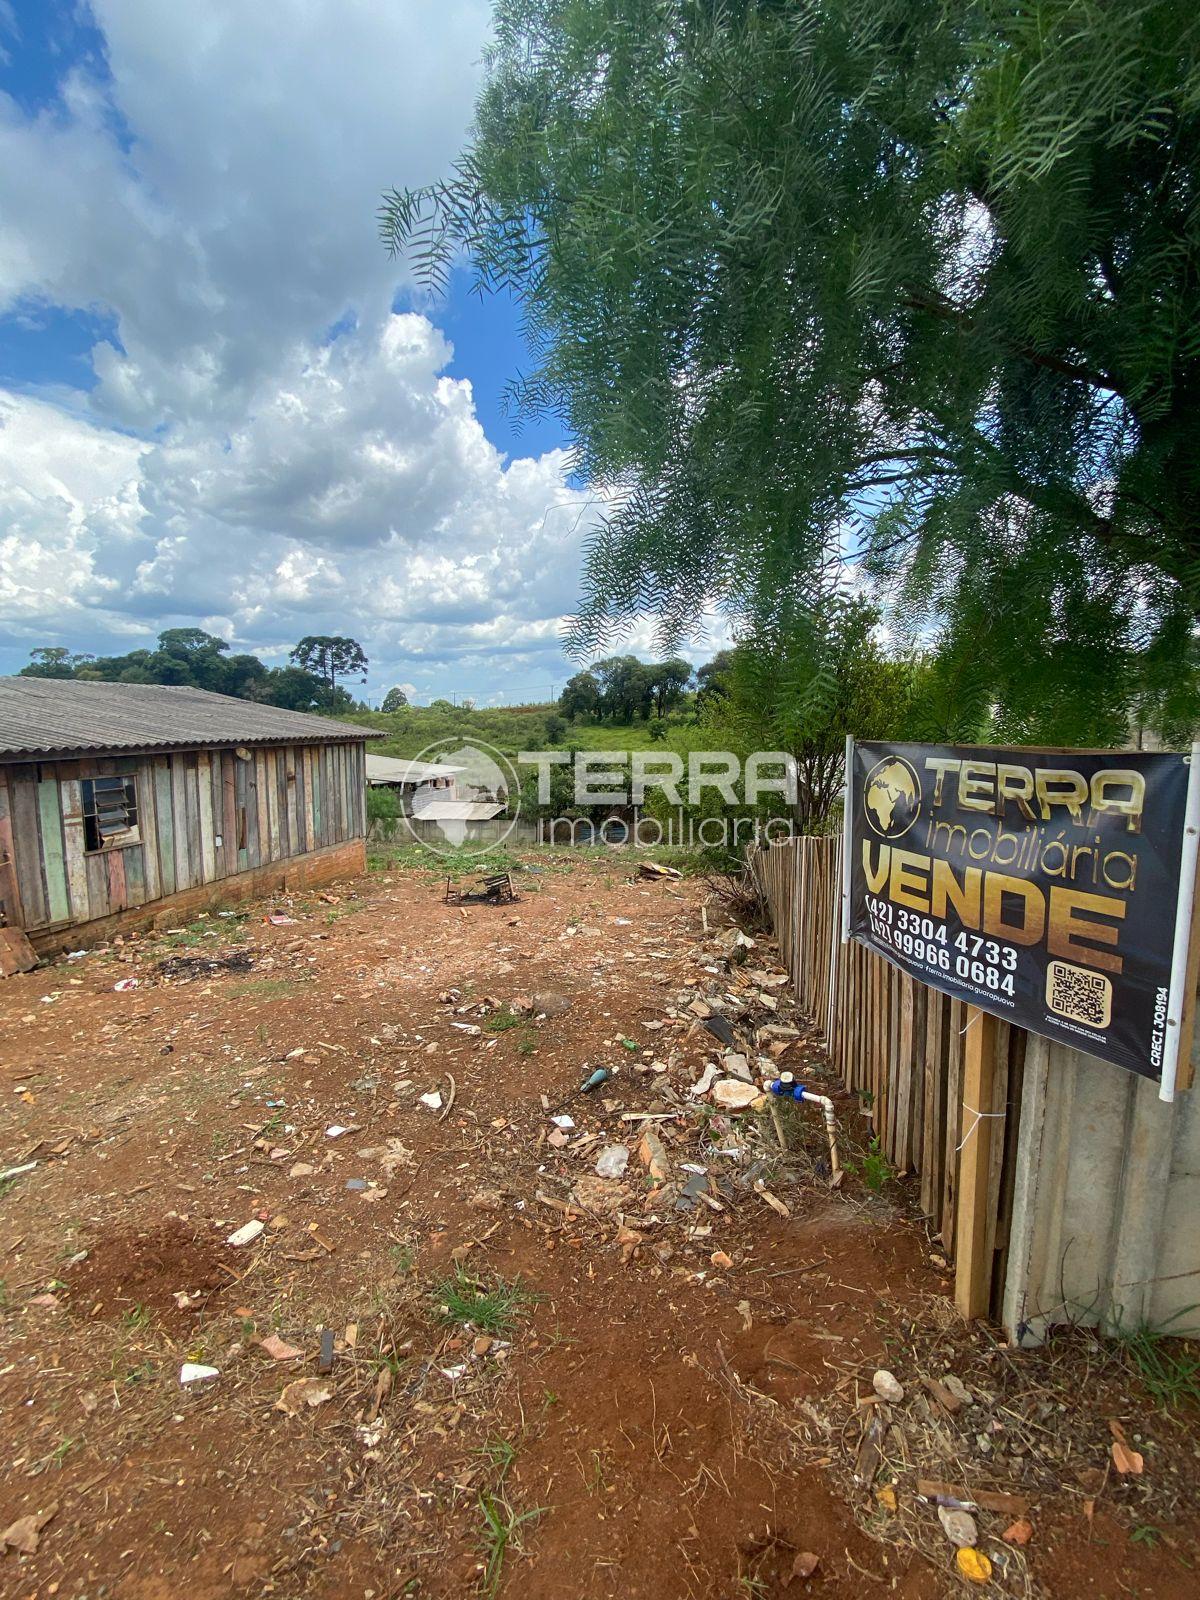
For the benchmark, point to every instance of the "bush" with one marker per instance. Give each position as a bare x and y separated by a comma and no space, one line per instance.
382,805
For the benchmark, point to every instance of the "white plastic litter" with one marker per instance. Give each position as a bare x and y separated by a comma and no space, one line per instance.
613,1160
246,1234
194,1372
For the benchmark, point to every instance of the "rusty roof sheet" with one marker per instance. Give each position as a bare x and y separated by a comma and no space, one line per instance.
44,717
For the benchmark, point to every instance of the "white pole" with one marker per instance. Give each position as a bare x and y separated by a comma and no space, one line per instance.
847,792
1176,998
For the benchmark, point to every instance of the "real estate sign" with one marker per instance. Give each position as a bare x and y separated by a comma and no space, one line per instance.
1041,885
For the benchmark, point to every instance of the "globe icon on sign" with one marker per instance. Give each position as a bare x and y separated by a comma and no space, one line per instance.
892,799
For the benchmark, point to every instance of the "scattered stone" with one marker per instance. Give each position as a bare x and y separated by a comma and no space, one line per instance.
25,1533
958,1526
734,1094
551,1003
886,1386
304,1392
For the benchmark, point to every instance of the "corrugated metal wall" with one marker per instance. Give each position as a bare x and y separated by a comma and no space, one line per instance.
202,816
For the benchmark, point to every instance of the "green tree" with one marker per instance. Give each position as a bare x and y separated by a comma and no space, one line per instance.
668,681
292,688
711,678
330,657
394,700
51,661
555,728
912,278
581,698
802,680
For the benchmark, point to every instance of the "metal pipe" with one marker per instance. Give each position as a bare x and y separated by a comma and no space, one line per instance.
786,1087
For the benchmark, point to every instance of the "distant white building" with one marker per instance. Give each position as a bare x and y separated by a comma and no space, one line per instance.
410,779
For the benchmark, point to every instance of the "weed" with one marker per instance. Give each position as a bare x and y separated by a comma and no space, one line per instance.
136,1318
264,988
404,1257
875,1170
527,1047
499,1454
501,1528
502,1021
491,1310
1145,1533
1167,1365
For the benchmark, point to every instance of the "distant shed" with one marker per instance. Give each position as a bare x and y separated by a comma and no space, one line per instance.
120,801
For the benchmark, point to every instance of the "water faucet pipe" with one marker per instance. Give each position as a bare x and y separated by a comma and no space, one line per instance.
785,1087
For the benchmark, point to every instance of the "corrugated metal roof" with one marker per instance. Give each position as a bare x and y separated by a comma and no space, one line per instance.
42,717
457,811
391,769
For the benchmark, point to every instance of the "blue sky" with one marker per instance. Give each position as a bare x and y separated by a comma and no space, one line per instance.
220,403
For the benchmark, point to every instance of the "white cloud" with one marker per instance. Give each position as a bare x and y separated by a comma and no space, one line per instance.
362,496
238,466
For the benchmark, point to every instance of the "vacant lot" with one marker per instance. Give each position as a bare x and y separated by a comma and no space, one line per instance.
539,1380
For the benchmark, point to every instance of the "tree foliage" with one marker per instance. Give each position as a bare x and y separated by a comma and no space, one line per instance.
802,680
199,660
330,657
394,700
912,282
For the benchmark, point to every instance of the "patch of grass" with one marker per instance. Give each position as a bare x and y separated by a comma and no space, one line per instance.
501,1531
527,1047
502,1021
136,1318
1168,1366
1145,1533
404,1257
499,1454
494,1309
265,988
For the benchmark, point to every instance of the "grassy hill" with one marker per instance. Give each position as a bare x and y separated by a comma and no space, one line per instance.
514,728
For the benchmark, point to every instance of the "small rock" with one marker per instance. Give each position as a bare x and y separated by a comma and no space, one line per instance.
551,1003
958,1526
887,1387
958,1389
805,1564
734,1094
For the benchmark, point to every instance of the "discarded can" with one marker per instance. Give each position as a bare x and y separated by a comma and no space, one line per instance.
601,1075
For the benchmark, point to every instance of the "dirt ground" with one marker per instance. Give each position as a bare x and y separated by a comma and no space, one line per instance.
542,1381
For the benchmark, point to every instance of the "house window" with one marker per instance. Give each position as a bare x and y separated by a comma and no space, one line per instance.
110,814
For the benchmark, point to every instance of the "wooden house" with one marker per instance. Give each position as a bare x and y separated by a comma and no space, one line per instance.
121,802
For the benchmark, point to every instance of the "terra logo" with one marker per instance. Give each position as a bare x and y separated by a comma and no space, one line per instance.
892,797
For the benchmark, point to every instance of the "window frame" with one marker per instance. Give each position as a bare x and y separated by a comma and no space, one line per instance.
117,839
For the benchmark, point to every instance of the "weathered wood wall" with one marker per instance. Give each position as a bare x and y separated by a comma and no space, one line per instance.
894,1042
202,816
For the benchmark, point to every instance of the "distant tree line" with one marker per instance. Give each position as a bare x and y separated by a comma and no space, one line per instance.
199,660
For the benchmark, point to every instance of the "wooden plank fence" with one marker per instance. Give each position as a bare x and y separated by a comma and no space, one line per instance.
895,1043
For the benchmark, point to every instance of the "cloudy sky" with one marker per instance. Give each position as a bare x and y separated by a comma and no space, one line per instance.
221,405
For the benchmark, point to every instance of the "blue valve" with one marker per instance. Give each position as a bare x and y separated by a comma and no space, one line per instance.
788,1087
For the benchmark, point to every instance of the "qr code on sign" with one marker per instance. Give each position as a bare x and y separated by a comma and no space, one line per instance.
1079,994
